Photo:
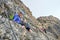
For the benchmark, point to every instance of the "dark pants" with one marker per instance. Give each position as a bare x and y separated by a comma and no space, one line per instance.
27,26
22,23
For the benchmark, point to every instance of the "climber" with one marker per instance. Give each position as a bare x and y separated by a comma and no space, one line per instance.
43,29
18,18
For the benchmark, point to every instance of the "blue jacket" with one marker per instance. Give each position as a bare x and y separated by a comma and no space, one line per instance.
17,19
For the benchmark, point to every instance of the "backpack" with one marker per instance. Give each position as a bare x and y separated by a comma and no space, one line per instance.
11,16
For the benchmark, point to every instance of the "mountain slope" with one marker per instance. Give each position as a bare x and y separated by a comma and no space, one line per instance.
9,30
52,25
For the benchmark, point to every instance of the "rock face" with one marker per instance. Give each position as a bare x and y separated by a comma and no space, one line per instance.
9,30
52,25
